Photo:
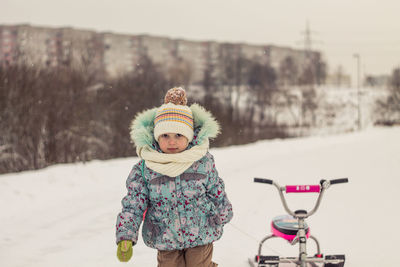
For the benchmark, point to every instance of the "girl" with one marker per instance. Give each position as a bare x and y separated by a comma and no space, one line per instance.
175,187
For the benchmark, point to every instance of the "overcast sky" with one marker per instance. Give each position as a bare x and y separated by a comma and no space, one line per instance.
339,28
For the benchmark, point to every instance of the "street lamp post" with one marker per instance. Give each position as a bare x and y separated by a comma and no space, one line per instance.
357,56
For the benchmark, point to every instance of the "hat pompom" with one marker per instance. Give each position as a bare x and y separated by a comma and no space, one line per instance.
176,96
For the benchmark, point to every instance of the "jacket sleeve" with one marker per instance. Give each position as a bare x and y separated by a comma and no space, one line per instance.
134,205
216,193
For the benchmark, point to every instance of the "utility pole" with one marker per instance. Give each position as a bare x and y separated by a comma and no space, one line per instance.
307,42
309,56
307,70
357,56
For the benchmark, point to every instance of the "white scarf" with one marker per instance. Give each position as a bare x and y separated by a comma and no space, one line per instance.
172,165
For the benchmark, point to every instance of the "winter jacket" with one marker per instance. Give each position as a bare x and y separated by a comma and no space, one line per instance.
185,211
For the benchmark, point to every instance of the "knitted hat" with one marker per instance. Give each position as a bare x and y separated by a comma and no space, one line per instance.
174,116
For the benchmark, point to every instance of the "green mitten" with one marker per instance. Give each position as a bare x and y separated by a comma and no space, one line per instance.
124,251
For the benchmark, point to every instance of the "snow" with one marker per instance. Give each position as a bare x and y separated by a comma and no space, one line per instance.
64,215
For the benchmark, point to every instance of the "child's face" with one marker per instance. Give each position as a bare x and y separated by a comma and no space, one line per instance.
172,143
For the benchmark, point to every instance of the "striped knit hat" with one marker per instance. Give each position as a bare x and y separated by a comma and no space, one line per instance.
174,116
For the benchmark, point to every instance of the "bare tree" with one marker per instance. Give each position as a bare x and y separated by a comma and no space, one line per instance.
320,69
233,77
22,121
395,81
262,82
314,71
47,117
180,73
288,72
129,94
309,106
389,109
338,76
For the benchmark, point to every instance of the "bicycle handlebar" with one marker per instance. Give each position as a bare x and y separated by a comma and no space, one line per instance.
320,189
263,180
339,181
331,182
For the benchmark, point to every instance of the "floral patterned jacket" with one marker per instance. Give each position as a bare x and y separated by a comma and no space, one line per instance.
181,212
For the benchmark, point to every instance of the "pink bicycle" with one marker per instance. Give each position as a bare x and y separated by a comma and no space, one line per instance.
294,229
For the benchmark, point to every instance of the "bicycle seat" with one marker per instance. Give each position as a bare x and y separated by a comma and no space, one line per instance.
286,226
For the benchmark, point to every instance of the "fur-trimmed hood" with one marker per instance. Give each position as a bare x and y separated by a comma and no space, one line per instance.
142,127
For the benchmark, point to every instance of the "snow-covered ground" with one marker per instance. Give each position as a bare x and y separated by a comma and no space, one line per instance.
64,215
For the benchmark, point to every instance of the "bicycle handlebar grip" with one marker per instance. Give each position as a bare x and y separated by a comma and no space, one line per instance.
339,181
263,180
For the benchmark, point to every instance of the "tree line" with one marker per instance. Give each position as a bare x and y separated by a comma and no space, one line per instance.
67,114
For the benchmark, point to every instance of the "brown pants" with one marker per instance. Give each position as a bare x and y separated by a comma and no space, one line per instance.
191,257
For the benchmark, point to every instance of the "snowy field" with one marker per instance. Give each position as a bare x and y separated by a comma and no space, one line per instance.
64,215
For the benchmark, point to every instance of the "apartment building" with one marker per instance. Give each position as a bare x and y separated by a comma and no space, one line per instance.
115,54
